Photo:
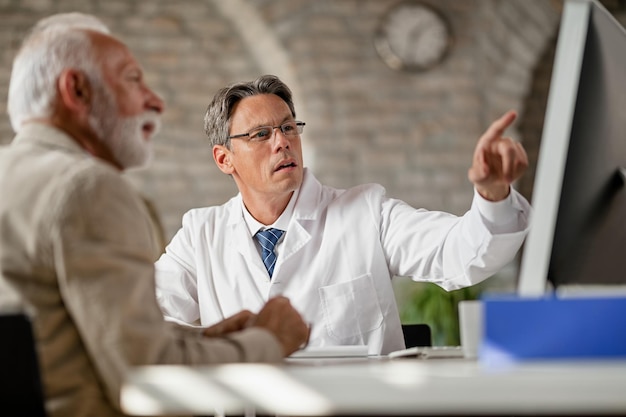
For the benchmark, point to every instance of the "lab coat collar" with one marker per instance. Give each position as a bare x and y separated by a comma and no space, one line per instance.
308,204
309,198
308,201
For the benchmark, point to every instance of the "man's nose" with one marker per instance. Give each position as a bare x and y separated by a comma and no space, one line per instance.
154,101
280,139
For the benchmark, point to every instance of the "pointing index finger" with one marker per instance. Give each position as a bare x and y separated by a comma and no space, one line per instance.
497,128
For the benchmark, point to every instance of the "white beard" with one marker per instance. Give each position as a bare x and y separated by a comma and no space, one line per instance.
127,143
123,136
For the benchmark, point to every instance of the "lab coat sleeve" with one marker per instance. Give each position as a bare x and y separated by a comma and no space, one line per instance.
176,276
452,251
507,216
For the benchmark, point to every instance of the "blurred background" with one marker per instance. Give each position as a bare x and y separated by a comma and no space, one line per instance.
368,118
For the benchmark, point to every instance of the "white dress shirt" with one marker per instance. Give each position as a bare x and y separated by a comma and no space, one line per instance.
281,223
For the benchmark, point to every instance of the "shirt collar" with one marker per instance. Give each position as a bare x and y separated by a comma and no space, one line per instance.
281,223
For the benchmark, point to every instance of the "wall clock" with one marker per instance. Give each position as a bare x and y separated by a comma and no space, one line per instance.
413,36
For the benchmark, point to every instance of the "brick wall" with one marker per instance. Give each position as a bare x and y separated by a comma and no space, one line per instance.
412,132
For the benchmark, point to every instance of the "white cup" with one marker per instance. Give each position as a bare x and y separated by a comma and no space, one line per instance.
471,326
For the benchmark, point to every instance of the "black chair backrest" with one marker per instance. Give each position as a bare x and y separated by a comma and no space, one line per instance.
21,391
417,335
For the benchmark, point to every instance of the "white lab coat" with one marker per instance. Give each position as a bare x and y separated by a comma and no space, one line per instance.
339,253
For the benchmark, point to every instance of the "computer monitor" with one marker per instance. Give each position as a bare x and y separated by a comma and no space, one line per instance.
578,229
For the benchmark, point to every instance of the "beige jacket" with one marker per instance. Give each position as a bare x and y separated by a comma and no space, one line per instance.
76,252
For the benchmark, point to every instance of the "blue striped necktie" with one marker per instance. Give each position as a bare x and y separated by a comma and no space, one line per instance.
268,238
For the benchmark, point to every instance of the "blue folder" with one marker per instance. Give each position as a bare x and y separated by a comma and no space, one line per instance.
521,329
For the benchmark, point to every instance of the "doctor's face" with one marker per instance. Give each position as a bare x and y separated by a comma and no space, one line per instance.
265,169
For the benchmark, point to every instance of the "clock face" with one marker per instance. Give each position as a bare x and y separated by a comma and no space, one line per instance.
413,36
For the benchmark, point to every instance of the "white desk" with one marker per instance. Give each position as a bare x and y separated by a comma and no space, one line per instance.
379,387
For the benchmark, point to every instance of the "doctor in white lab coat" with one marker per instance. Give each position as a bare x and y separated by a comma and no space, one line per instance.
340,248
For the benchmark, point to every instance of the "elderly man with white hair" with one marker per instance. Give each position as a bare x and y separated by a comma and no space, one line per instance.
77,245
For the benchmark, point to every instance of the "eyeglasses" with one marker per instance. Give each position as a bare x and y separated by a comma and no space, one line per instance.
264,133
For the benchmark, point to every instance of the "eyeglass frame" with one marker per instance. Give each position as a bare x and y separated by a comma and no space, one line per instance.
299,129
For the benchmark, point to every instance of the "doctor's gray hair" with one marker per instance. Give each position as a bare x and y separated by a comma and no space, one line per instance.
54,44
219,111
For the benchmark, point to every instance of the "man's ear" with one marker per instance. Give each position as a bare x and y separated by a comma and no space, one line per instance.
75,90
222,156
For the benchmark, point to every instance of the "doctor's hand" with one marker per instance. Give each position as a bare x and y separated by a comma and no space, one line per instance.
233,323
498,161
280,318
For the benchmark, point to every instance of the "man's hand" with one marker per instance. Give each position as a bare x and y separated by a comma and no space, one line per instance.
498,161
280,318
234,323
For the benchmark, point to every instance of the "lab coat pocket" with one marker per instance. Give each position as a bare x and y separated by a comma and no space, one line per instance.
351,308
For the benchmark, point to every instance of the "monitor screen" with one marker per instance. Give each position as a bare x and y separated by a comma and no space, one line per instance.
578,228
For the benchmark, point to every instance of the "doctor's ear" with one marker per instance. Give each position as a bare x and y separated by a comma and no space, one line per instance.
222,157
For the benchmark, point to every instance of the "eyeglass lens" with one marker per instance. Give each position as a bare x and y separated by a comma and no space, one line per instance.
265,132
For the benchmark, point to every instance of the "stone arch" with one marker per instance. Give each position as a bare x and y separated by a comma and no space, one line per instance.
522,57
266,49
517,36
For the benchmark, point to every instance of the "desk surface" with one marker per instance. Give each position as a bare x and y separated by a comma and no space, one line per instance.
379,387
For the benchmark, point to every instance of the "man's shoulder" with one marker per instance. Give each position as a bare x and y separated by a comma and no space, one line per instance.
312,185
316,197
361,191
42,152
90,175
58,172
210,213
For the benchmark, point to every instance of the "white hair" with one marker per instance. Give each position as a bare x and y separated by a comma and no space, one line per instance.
73,20
54,44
